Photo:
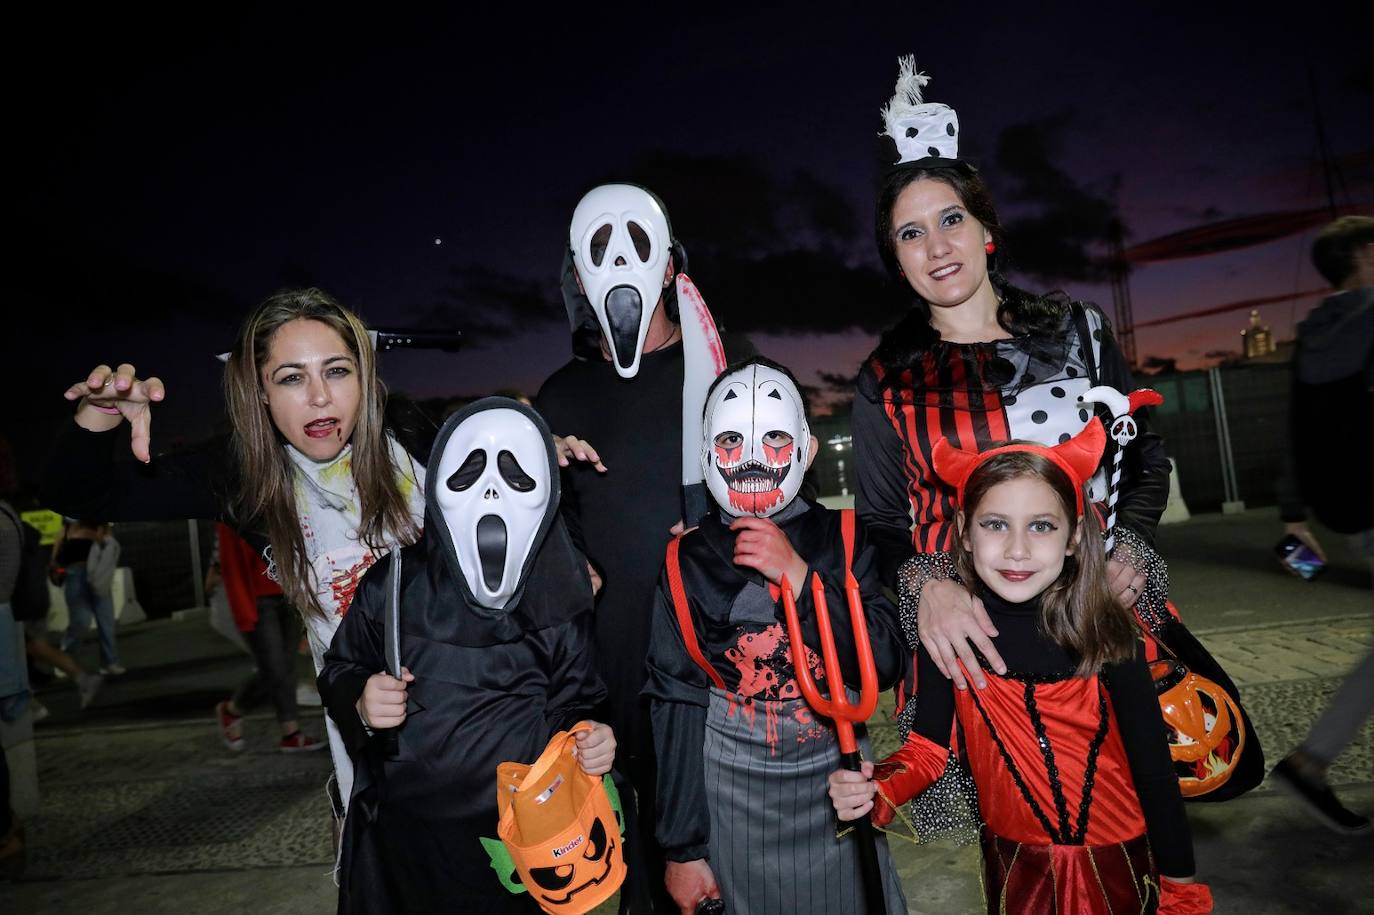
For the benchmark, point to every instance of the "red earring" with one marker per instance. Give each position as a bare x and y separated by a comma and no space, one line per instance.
990,247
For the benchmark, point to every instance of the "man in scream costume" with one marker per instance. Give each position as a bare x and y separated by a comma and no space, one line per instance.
742,759
495,638
622,392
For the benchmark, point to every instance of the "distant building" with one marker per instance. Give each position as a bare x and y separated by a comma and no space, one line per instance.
1256,340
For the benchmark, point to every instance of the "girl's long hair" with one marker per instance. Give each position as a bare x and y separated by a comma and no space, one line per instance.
266,498
1078,610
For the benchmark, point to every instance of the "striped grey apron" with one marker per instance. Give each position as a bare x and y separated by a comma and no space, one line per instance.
774,849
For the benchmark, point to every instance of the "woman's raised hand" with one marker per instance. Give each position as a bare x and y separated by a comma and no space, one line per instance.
106,396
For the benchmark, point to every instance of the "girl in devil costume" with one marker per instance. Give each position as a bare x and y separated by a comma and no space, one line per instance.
1077,792
494,629
742,760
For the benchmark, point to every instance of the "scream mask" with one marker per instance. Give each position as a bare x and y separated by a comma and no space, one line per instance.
492,489
621,241
757,443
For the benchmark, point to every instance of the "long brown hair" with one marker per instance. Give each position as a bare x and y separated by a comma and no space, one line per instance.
266,494
1077,611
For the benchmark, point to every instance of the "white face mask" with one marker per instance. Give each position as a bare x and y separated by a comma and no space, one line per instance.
757,442
620,243
493,490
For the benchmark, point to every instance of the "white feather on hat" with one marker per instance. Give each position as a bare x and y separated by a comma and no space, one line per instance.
921,129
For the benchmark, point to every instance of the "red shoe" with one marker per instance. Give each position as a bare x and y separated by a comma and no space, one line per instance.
299,743
227,722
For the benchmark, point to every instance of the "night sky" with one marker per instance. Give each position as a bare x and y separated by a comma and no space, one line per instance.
170,170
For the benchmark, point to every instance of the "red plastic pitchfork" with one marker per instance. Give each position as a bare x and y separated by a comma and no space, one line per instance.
838,708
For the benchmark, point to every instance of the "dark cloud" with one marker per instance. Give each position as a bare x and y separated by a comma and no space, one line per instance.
776,252
1057,229
487,305
1158,365
1198,215
798,292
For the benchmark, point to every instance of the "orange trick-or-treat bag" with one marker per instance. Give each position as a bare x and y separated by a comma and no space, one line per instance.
558,825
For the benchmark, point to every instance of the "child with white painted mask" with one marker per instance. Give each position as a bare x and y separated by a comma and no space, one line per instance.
742,759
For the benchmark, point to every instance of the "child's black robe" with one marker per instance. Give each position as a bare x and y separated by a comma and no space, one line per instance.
490,686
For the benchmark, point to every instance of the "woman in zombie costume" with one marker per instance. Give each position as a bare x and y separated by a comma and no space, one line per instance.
494,637
311,475
742,760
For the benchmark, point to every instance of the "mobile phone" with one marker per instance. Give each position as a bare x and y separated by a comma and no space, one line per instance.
1298,558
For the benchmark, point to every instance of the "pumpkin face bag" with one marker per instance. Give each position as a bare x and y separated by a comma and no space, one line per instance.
1206,730
559,830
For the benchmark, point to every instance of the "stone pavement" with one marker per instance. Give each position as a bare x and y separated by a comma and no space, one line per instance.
144,811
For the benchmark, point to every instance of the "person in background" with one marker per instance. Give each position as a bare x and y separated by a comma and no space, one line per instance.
1333,384
270,626
87,553
14,673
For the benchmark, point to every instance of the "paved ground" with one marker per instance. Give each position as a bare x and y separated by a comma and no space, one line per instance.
144,811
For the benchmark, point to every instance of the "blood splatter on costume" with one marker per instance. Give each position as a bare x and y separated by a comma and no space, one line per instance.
743,764
743,761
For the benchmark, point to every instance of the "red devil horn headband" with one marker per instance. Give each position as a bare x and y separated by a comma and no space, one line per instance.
1078,458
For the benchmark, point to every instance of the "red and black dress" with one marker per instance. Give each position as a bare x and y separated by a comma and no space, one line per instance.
1076,790
976,394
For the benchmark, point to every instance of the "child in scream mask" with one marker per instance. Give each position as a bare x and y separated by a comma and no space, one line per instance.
495,641
1080,804
742,760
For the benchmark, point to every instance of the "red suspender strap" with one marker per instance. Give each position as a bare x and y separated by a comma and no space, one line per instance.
847,532
684,615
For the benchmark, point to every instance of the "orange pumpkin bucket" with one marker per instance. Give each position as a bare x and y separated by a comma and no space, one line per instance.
1206,730
557,823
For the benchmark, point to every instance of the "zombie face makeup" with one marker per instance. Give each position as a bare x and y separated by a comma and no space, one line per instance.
492,484
621,243
757,443
311,389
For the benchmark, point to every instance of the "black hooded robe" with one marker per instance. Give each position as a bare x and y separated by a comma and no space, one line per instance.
490,686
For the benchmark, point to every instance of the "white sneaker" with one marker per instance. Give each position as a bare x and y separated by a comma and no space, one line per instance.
87,685
114,670
40,711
